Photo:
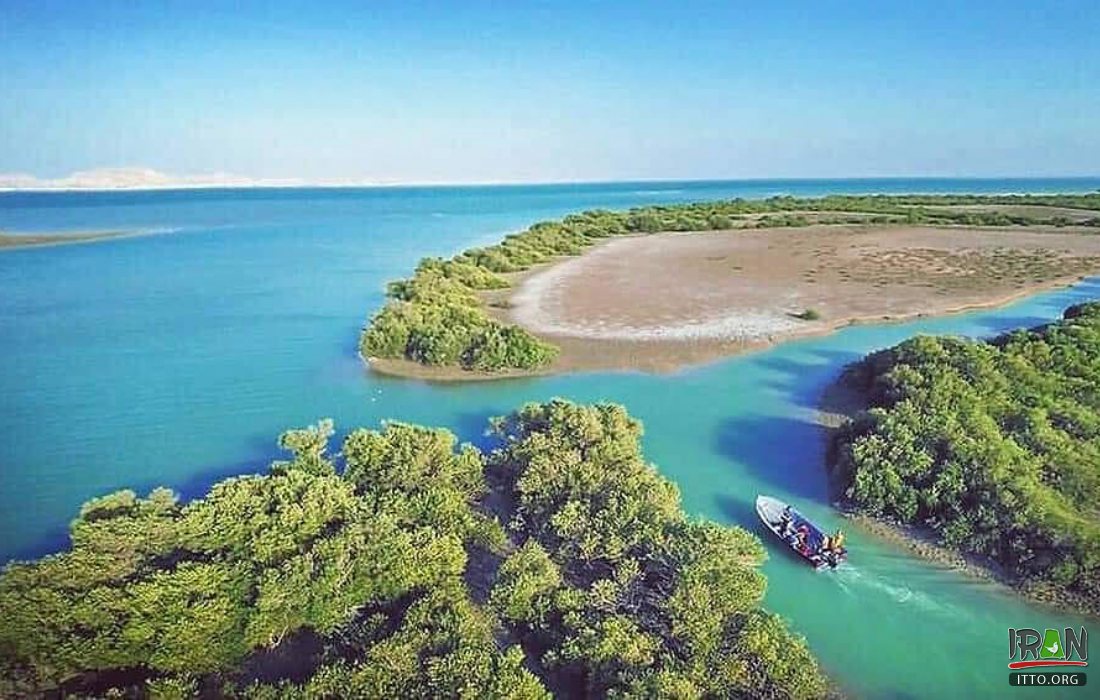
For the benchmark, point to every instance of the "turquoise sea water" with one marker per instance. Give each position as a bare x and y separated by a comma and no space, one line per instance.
176,359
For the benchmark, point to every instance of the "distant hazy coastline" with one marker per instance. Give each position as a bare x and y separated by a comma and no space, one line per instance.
140,179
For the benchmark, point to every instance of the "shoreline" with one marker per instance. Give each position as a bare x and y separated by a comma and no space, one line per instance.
714,351
923,543
837,404
657,288
662,302
441,374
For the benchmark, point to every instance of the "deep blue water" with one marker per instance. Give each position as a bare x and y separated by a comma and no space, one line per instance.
177,358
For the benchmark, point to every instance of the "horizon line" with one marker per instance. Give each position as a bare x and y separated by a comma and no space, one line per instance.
291,185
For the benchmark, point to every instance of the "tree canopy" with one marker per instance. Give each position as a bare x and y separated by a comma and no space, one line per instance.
613,589
994,445
407,565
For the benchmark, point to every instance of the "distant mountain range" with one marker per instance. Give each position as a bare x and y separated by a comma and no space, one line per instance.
149,179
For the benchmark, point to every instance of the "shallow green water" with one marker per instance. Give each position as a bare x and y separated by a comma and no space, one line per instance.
175,359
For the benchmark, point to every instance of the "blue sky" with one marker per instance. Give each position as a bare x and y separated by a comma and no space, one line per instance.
521,91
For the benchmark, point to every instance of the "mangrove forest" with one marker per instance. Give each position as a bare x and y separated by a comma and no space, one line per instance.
557,562
993,446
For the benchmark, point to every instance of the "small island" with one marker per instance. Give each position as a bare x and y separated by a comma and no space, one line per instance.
13,241
409,567
659,287
991,449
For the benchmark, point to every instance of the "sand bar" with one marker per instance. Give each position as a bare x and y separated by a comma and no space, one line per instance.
15,241
662,301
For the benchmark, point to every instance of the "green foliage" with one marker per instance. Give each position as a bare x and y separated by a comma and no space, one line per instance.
409,459
452,330
443,648
769,670
171,688
436,318
614,590
374,568
580,482
995,446
193,589
718,581
809,315
526,584
415,472
308,445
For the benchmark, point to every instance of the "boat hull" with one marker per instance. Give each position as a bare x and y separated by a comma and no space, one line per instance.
770,510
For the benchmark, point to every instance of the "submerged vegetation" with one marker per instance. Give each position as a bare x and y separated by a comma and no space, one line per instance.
437,318
407,566
994,446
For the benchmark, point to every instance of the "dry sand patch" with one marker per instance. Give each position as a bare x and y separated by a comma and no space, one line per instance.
661,301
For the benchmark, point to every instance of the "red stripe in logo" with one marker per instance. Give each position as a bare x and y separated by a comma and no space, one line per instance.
1031,664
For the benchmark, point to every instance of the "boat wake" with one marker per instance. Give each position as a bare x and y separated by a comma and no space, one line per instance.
855,582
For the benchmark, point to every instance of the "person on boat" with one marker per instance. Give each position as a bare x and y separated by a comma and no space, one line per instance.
833,543
802,538
786,523
838,541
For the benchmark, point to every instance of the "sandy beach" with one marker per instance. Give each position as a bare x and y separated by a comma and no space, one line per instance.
662,301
